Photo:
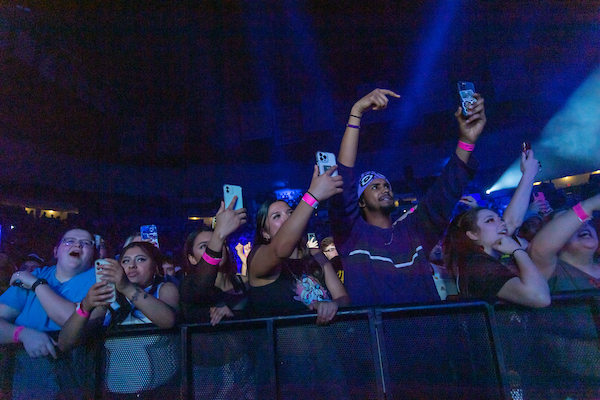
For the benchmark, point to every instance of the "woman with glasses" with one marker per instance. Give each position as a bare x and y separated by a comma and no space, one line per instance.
142,296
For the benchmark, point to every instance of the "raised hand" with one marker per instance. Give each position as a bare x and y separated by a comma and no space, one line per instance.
376,100
324,186
228,219
472,125
530,166
469,201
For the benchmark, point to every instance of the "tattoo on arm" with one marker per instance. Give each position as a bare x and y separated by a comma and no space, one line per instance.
136,295
138,291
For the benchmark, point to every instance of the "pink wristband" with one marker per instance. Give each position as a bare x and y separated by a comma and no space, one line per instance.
211,260
465,146
310,200
82,312
581,214
17,333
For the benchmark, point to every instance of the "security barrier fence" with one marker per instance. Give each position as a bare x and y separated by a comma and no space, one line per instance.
467,350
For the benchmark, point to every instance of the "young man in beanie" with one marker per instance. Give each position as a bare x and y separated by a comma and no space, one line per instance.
386,262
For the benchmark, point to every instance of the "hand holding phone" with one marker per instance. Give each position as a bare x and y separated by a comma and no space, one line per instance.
229,191
466,91
150,234
325,161
98,269
312,241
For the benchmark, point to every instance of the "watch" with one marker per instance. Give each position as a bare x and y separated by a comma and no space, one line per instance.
40,281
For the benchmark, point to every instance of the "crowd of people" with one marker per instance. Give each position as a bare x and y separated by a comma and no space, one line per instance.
520,255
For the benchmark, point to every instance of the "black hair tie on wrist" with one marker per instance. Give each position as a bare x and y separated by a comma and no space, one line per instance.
513,253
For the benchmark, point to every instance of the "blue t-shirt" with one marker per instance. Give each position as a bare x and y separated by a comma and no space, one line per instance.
33,314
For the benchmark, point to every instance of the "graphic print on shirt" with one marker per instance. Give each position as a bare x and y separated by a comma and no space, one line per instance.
308,290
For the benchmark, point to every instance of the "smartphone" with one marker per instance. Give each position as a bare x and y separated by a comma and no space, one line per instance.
466,91
310,237
539,196
98,269
526,146
232,190
325,161
150,234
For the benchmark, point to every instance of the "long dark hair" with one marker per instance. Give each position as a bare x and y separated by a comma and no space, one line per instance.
229,266
314,268
458,247
125,307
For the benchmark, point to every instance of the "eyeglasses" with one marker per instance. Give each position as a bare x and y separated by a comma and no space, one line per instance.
84,243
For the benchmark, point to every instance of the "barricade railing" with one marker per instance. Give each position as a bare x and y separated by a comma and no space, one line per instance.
440,351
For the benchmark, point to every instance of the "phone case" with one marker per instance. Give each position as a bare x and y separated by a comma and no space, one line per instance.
150,233
97,269
232,190
539,196
466,90
325,161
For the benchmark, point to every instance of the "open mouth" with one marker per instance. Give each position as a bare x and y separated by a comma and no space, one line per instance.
75,253
385,198
503,232
585,233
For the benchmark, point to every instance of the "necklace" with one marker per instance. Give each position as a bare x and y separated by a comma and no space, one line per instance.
391,238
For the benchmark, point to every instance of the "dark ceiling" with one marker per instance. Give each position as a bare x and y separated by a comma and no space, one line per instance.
175,84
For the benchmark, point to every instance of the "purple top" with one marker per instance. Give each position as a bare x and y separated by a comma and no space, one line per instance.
390,266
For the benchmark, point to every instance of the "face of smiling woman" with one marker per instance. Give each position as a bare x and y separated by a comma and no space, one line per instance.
138,266
491,228
584,240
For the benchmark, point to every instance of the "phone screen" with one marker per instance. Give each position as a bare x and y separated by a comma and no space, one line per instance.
150,234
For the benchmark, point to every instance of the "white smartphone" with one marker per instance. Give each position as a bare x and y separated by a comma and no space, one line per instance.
98,269
325,161
232,190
